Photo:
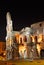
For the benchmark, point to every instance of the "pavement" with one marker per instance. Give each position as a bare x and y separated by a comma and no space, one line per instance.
22,62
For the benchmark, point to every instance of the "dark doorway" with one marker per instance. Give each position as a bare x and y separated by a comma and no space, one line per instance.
42,53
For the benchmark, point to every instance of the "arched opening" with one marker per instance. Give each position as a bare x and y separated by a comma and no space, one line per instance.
25,39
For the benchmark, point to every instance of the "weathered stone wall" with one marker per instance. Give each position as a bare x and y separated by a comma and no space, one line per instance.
38,28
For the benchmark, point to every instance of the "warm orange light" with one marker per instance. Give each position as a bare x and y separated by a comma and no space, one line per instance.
38,48
22,48
4,53
32,38
40,38
17,37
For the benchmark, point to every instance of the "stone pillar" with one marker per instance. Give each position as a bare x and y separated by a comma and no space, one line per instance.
9,39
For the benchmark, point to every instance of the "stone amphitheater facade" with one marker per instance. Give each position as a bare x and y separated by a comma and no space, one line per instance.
38,28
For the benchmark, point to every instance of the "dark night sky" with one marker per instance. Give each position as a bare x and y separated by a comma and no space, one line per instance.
21,16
